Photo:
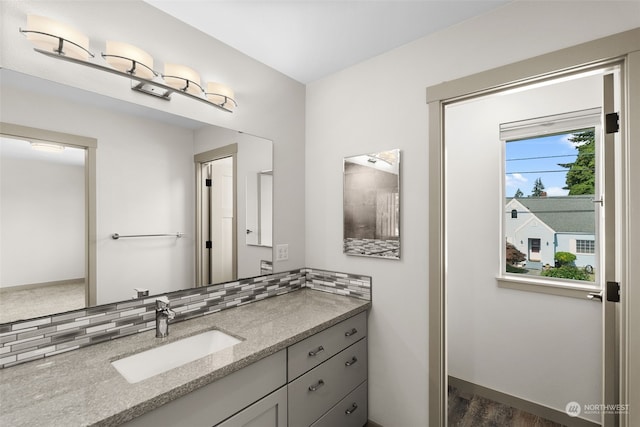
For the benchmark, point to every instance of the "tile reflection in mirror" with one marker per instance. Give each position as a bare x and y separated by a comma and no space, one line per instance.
371,215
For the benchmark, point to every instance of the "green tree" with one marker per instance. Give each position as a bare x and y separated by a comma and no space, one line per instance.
519,193
581,177
538,188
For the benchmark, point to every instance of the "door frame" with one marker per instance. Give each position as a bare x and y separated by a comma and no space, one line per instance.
621,48
230,150
89,145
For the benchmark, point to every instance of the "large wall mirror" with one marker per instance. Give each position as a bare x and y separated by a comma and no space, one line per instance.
372,205
140,182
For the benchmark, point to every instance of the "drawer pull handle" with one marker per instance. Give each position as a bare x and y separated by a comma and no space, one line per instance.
316,386
351,362
316,351
351,410
351,332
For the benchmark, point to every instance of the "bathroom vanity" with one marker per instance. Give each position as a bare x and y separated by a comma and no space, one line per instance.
319,381
301,361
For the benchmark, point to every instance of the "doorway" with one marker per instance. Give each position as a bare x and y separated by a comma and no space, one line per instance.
216,225
48,221
521,77
523,342
534,250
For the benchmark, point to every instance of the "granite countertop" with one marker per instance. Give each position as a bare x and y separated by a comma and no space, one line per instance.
82,388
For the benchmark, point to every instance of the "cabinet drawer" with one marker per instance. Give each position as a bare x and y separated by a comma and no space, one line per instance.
314,350
320,389
351,411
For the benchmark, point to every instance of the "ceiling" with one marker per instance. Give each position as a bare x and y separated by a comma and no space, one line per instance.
310,39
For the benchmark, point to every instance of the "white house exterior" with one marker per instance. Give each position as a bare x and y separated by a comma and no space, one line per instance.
541,226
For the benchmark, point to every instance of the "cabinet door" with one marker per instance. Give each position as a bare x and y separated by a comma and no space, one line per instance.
270,411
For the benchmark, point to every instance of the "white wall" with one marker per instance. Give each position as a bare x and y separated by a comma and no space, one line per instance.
380,104
270,104
532,346
144,185
42,214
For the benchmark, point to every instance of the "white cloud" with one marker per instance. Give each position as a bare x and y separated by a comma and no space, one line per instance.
565,140
514,180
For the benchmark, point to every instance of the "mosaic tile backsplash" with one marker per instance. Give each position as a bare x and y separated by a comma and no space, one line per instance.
33,339
351,285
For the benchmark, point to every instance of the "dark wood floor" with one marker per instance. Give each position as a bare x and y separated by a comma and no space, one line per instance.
470,410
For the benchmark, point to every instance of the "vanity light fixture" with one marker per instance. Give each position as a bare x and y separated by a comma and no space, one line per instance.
374,159
182,78
129,59
60,41
54,36
49,147
221,95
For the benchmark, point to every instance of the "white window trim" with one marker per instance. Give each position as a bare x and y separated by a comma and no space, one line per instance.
550,125
539,127
563,287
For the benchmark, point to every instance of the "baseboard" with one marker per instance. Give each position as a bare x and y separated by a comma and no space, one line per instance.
40,285
372,424
518,403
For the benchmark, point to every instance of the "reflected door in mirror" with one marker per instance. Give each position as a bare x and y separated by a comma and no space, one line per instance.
217,221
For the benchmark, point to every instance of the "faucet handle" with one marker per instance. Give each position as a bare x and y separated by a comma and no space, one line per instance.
162,302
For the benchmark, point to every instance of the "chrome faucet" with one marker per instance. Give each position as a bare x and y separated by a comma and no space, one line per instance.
163,315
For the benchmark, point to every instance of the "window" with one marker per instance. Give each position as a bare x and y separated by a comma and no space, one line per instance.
550,182
585,246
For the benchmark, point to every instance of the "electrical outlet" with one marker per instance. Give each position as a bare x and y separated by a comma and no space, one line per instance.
282,252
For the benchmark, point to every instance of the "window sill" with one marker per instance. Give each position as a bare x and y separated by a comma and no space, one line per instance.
548,287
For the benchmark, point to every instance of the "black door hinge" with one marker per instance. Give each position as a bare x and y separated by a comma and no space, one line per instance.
208,244
612,123
208,182
613,291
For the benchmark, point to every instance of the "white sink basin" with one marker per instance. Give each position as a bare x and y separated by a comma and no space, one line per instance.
161,359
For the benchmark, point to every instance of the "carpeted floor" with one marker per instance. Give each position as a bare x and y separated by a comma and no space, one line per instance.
16,304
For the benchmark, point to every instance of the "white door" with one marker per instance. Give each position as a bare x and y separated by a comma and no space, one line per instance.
221,208
216,219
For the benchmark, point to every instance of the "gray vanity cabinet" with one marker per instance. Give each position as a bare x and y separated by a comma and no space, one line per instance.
320,381
332,382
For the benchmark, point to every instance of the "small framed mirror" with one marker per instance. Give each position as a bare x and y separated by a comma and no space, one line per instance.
371,206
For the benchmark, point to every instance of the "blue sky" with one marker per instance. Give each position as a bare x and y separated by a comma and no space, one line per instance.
523,173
